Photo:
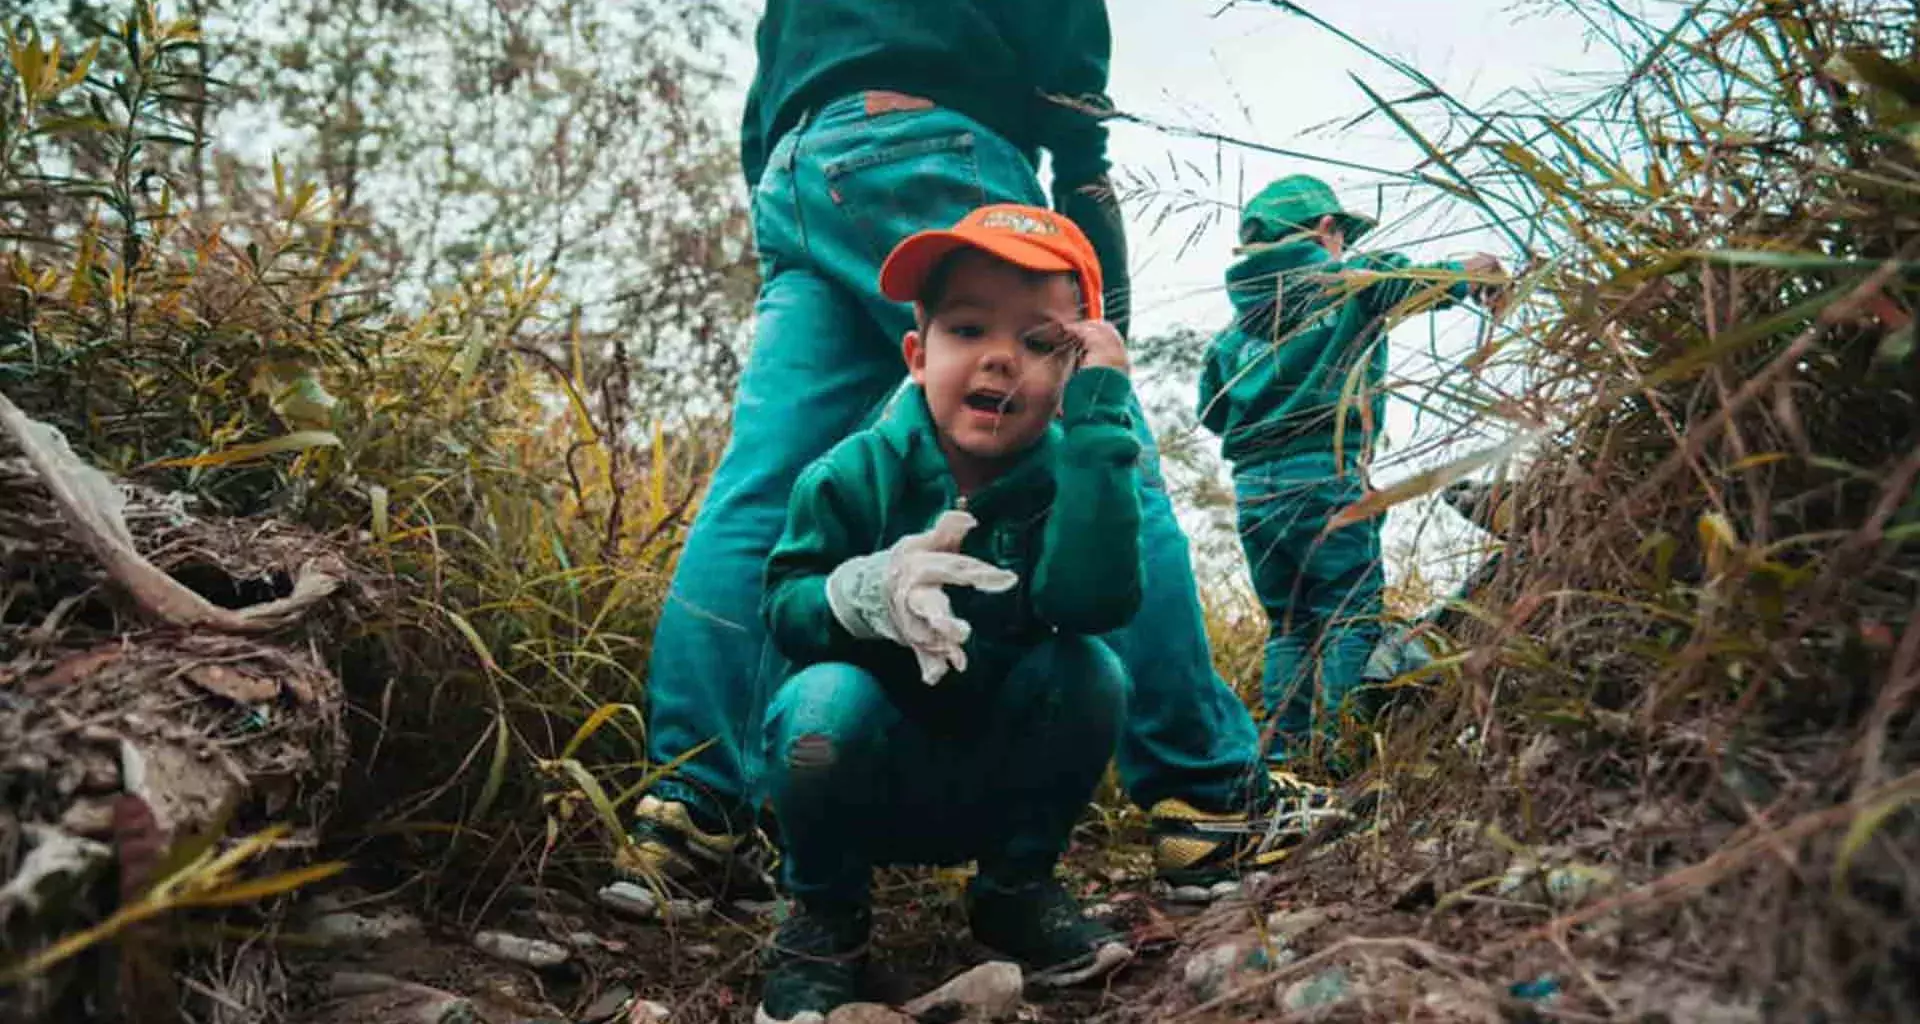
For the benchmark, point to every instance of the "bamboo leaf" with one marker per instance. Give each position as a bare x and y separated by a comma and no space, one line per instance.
272,885
496,770
1863,828
592,725
1420,484
298,441
596,795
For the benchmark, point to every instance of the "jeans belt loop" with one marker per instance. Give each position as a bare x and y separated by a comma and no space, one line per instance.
887,101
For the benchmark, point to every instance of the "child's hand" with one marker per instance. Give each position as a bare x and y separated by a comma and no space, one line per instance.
1100,345
1489,293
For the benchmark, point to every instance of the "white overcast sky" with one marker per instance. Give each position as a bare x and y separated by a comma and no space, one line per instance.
1250,70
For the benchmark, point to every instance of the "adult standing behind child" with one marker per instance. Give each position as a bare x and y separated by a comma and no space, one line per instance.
1295,388
928,725
869,120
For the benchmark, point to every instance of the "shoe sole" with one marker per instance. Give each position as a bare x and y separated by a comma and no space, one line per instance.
761,1016
1101,962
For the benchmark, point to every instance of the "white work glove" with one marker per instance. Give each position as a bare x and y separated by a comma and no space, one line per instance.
896,594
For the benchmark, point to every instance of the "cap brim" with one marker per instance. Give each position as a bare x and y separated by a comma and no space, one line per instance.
905,272
1353,225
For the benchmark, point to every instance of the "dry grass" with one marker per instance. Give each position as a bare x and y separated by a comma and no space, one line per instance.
1695,665
477,452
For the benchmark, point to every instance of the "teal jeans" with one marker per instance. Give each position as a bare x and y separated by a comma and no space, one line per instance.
999,776
1321,591
839,191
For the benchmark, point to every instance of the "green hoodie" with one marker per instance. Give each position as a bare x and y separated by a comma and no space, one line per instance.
994,60
1065,518
1275,378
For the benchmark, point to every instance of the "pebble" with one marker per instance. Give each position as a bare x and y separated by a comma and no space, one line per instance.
1190,894
987,992
531,952
1208,972
630,899
348,927
649,1012
686,910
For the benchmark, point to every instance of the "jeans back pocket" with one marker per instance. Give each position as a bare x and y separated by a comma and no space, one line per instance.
899,183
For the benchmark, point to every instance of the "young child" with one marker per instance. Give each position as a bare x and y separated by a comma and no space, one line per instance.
927,727
1294,389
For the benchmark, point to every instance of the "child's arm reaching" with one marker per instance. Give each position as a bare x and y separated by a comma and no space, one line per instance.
1442,284
1088,579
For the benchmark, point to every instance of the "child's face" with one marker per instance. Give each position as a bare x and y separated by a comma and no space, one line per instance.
1330,237
993,358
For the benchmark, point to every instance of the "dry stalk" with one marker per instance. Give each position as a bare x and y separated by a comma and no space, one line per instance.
155,592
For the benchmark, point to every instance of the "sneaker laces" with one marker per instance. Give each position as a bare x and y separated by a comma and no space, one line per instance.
821,937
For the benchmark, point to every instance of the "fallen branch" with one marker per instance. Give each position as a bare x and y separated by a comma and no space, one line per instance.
93,506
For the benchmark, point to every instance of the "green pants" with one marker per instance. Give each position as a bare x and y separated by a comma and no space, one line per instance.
1321,591
860,778
839,192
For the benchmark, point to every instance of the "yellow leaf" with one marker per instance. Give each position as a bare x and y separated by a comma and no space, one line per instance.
596,796
298,441
1718,536
593,724
272,885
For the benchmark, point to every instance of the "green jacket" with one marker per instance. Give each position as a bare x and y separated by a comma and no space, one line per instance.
1274,379
995,61
1065,518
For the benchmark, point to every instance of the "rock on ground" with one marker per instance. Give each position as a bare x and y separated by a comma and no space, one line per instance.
988,992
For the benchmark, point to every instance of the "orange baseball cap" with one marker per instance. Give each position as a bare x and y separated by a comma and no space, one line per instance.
1027,236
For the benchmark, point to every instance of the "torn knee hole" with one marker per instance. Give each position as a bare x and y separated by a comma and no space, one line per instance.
813,750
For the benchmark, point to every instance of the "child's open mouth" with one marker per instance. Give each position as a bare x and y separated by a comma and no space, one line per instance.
991,402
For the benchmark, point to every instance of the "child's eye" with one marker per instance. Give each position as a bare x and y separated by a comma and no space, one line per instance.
1045,340
968,331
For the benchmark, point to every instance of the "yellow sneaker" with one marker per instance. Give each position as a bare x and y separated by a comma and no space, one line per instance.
1202,854
670,847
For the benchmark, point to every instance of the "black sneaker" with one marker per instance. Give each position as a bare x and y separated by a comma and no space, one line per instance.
1042,927
814,965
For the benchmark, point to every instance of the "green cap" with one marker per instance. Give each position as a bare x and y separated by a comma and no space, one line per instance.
1296,203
